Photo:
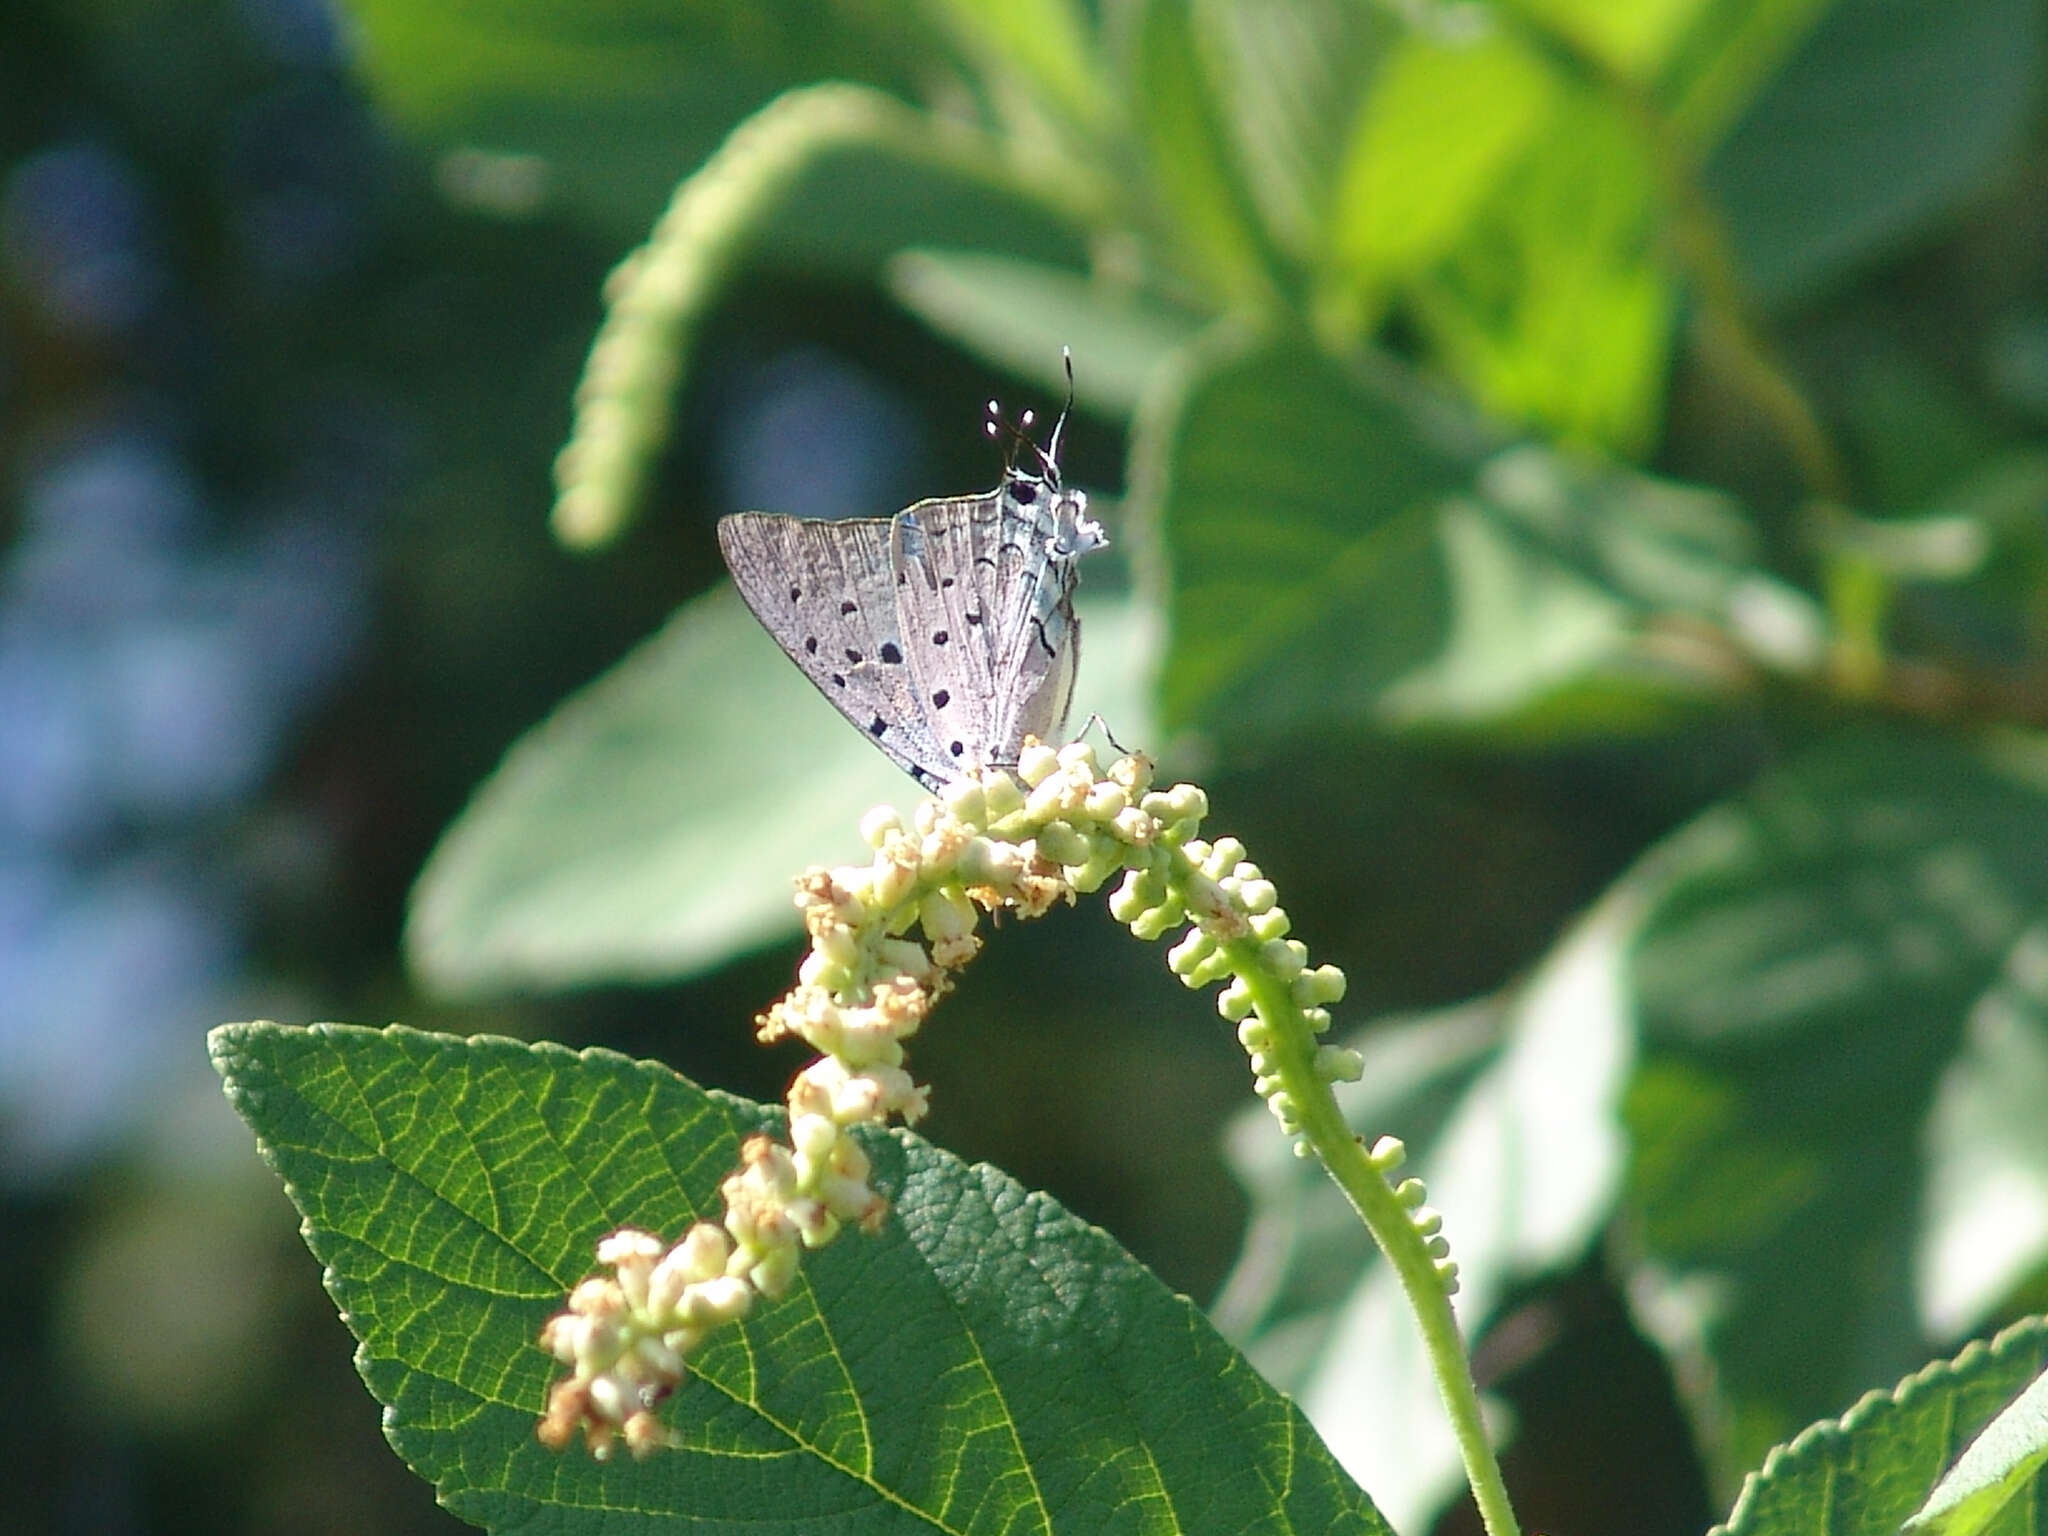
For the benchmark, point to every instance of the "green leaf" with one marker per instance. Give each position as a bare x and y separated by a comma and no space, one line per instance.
1019,314
1339,556
986,1362
1440,129
1634,40
650,828
1213,229
1822,958
2001,1464
614,101
1045,44
1864,1474
1557,308
1509,1108
1289,76
1889,117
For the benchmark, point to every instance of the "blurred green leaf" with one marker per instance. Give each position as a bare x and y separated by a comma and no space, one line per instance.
1289,76
1634,40
1046,45
1891,115
1510,1111
1019,314
986,1359
1212,229
1557,308
1729,55
1337,556
2001,1464
650,828
1441,127
1865,1474
617,101
1818,952
1294,503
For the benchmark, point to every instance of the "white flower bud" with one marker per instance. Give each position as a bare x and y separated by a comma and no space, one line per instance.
1037,763
879,824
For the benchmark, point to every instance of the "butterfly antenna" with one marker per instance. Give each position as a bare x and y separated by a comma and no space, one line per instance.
1000,431
1051,451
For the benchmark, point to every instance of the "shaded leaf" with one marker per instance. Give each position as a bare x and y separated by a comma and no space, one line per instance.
986,1362
1892,113
1814,951
650,828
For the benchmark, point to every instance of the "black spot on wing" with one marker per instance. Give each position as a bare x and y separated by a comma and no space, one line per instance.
849,608
890,654
878,727
941,699
810,645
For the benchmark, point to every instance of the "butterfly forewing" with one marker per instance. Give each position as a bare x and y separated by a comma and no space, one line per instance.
827,592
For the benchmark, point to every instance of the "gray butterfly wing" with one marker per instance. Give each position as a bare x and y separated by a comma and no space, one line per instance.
986,604
947,613
826,592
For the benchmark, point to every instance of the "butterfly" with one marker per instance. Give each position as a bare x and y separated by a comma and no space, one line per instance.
947,632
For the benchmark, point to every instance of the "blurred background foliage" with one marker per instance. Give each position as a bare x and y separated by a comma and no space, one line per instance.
1578,480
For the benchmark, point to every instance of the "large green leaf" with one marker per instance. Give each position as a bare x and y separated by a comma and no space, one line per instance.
1823,958
1557,308
1212,233
1444,123
987,1362
1289,77
1892,113
650,828
1510,1109
1865,1474
1337,555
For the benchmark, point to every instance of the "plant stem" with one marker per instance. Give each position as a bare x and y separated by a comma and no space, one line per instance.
1291,1054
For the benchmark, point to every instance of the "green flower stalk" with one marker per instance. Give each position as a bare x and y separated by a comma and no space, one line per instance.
1059,828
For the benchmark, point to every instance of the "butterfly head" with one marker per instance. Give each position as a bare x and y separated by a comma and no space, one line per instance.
1031,477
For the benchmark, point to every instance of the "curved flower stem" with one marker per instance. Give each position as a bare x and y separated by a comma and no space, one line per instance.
1290,1050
